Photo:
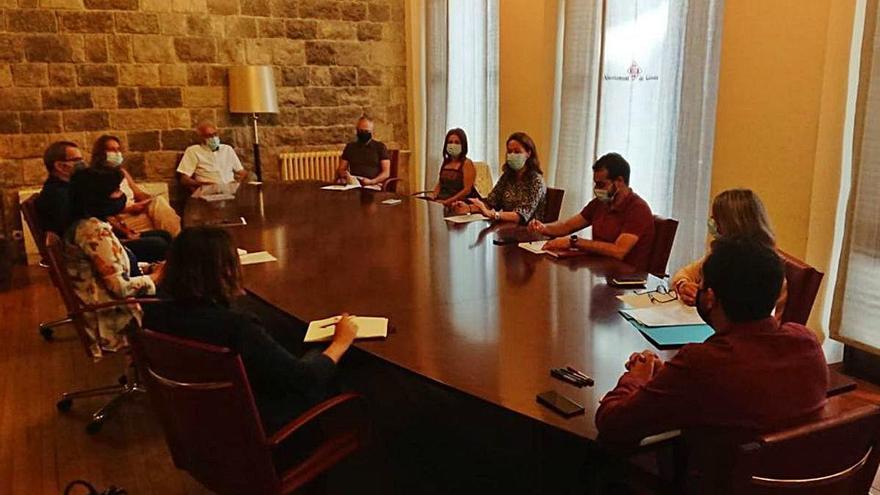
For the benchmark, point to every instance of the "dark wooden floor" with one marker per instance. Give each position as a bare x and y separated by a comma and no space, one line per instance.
41,450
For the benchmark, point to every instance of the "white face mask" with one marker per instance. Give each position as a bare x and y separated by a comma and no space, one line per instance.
114,158
516,161
213,143
453,149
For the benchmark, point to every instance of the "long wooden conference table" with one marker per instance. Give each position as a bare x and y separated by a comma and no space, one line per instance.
486,320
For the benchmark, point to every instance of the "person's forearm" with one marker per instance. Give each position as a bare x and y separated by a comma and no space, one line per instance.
604,248
555,229
335,351
189,181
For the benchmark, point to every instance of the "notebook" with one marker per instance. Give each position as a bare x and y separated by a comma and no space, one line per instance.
537,247
354,182
665,315
369,327
673,337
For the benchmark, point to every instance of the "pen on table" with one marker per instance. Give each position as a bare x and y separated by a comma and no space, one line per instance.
580,374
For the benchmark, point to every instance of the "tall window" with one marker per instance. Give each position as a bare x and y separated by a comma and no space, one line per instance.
638,95
462,91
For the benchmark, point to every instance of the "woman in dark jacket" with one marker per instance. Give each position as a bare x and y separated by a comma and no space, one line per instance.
201,278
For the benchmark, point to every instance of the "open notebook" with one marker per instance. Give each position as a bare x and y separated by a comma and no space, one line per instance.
537,247
354,182
369,327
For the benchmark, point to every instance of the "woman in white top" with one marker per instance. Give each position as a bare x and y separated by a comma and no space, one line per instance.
143,212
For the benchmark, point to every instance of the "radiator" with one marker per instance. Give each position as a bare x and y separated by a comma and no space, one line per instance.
309,165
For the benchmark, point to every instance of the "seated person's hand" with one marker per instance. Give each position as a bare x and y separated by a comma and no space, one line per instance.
687,293
460,208
157,270
558,244
537,227
481,206
346,331
343,177
644,365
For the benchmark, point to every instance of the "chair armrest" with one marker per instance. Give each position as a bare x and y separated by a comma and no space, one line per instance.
89,308
310,415
394,180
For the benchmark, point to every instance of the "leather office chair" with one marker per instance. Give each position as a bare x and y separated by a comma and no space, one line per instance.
664,237
483,182
803,285
390,184
29,211
837,452
203,399
553,204
128,385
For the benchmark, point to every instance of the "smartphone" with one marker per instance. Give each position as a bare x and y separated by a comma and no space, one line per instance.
560,403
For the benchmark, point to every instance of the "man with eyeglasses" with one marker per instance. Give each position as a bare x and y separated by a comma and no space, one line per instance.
61,159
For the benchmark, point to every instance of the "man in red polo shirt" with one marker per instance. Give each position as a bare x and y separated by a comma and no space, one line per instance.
752,374
623,225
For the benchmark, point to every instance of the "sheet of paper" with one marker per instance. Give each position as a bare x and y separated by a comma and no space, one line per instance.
637,301
257,257
665,315
222,191
241,252
369,327
471,217
392,202
536,247
217,197
341,187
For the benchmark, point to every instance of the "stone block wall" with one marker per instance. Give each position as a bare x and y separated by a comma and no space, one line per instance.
149,70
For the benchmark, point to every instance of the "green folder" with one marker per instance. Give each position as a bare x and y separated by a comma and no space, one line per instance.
673,337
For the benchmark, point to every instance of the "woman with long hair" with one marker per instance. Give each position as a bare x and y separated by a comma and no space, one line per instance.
520,193
457,173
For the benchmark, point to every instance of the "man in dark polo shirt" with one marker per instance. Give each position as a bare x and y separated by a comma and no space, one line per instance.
623,225
61,159
366,159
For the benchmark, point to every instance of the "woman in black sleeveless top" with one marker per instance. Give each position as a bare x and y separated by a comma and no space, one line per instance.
457,174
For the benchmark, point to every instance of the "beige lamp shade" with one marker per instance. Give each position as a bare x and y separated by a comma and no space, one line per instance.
252,89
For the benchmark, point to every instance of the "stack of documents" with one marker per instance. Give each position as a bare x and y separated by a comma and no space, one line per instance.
217,192
667,325
368,327
470,217
354,182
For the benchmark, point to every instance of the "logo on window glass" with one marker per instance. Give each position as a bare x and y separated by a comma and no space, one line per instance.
633,73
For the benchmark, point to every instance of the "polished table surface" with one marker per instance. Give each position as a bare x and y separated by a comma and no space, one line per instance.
486,320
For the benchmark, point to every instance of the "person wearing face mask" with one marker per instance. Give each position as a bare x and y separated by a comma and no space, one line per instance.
98,265
519,195
457,174
210,162
623,225
143,213
740,213
753,373
61,159
365,160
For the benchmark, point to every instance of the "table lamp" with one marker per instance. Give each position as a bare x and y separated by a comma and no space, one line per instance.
252,90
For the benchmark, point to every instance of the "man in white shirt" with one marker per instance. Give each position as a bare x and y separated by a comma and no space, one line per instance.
209,162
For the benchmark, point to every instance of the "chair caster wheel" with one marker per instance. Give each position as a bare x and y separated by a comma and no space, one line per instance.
64,405
94,427
47,333
123,380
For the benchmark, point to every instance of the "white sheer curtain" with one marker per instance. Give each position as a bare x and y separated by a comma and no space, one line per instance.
856,306
462,90
657,106
646,89
577,89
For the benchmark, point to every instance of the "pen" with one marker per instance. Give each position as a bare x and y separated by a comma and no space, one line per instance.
580,374
568,376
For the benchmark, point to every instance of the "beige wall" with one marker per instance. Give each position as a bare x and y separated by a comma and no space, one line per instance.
527,61
781,104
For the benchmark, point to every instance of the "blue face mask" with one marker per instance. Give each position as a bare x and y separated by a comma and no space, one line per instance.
114,158
516,161
213,143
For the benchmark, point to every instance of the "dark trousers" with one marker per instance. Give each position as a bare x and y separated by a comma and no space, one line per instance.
151,246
